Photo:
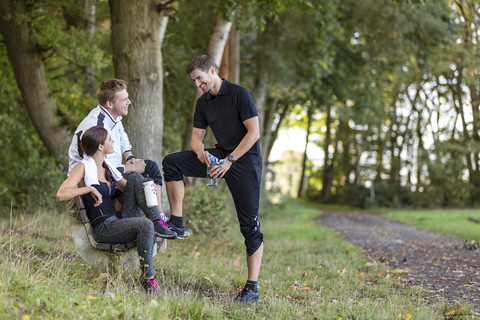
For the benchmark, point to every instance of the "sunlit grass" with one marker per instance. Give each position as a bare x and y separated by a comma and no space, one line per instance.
308,272
460,223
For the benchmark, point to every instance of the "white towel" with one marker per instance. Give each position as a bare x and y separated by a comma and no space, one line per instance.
91,177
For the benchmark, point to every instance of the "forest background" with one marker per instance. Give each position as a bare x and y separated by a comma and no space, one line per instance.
388,90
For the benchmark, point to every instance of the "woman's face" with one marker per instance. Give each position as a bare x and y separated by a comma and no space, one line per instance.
108,145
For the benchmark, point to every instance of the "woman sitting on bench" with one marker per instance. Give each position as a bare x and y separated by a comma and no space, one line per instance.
97,183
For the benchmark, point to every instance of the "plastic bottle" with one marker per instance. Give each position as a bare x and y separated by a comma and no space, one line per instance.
150,196
213,182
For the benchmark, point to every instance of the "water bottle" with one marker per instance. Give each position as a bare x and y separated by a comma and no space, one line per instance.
213,182
150,196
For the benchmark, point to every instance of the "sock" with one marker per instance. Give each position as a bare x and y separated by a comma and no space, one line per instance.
176,221
251,285
162,216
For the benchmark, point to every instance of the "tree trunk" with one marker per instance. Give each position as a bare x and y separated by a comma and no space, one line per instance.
274,133
234,55
304,162
267,133
138,30
89,9
260,100
327,174
27,65
224,68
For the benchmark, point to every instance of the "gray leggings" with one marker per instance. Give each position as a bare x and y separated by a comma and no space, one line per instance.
131,226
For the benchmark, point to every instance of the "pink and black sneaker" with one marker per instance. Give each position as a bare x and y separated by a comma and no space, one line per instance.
150,286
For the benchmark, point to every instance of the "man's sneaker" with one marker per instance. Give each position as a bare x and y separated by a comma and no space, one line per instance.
246,296
150,286
163,231
180,231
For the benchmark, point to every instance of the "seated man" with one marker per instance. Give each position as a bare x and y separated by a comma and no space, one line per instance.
113,104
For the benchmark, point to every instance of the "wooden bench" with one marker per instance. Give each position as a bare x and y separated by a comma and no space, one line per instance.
103,256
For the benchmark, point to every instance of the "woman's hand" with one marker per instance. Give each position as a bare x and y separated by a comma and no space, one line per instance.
157,189
96,196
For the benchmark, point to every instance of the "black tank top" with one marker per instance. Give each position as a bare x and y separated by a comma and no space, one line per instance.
105,209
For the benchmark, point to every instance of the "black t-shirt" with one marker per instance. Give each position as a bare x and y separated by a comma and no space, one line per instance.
225,113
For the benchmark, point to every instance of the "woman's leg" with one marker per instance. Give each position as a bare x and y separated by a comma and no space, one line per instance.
134,200
129,230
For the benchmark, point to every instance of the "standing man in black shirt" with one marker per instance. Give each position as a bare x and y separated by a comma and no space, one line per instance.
230,112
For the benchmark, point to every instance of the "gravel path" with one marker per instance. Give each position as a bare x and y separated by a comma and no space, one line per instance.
446,268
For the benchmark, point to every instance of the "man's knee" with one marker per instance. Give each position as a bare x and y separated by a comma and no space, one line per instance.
171,172
153,171
253,237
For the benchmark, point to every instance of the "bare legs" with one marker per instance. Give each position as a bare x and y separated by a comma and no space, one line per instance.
175,193
253,264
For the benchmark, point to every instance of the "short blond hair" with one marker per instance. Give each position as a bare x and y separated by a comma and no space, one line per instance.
108,89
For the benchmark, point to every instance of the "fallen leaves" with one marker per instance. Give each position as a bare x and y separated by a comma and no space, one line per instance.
342,271
237,261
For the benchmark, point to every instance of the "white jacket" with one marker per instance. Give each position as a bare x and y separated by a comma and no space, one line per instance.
99,116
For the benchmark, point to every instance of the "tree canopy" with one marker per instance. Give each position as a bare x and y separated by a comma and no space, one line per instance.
387,89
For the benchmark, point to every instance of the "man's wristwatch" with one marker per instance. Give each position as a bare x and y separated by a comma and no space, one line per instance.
231,158
131,157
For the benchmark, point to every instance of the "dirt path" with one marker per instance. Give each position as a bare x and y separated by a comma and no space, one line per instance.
446,268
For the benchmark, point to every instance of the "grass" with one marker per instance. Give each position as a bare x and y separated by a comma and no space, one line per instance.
454,222
308,272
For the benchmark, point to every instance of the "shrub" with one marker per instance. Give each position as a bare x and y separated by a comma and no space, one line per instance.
206,210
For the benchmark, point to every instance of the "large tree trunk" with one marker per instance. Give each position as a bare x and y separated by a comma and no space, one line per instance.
138,29
28,68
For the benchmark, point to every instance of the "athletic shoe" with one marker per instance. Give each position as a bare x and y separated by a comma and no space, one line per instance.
180,231
246,296
186,233
150,286
163,231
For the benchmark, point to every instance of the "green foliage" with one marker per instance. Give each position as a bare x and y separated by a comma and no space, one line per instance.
206,210
180,45
360,59
28,176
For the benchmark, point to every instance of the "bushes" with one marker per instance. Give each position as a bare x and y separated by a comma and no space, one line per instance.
206,210
390,195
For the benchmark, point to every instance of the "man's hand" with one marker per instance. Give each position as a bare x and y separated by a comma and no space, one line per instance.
203,157
219,170
135,165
